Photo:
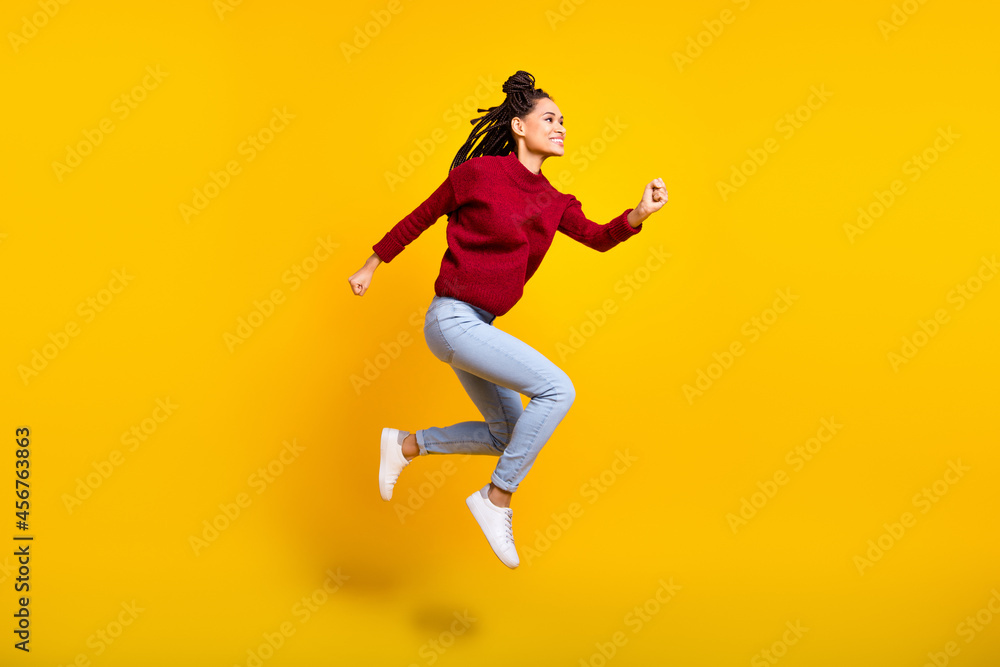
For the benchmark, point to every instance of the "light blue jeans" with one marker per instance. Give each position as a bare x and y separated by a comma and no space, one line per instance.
494,367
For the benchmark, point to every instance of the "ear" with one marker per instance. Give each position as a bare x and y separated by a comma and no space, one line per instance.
517,126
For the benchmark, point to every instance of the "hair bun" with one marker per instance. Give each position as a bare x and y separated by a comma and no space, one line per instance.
520,82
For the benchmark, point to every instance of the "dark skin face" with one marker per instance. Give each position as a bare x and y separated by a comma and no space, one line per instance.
539,134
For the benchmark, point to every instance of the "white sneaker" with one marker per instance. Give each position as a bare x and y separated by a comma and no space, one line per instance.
391,461
496,524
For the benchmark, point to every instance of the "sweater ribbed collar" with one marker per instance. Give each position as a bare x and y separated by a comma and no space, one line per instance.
522,176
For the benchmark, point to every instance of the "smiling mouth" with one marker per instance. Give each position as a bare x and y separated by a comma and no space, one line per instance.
556,140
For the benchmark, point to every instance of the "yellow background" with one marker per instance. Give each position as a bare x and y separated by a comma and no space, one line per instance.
664,517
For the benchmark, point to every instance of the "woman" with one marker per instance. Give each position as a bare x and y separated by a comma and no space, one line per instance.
502,216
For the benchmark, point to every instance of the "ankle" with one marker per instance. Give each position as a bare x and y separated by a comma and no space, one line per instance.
498,496
410,448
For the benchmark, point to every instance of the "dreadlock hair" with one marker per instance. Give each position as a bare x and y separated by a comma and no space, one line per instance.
494,126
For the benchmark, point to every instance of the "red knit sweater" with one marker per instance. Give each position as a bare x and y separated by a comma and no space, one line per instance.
501,220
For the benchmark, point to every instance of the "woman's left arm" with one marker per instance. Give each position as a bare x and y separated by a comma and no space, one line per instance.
654,196
600,237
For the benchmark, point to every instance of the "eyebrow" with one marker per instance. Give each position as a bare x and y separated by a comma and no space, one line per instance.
551,112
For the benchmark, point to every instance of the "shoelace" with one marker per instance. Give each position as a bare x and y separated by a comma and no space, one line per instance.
508,518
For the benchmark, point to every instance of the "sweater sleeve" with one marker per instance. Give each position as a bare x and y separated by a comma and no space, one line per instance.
443,200
575,225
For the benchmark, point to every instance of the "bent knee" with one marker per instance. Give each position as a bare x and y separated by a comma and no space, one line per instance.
501,436
563,390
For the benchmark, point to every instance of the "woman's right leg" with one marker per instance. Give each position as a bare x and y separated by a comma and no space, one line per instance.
501,407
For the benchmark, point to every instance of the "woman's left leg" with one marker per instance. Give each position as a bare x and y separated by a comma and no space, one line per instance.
501,407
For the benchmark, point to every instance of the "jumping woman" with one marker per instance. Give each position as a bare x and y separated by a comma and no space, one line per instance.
502,216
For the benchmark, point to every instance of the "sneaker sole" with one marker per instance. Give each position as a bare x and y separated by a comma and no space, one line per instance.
389,438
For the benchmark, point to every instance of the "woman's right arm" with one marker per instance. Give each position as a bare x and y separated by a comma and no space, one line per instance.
442,200
363,277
